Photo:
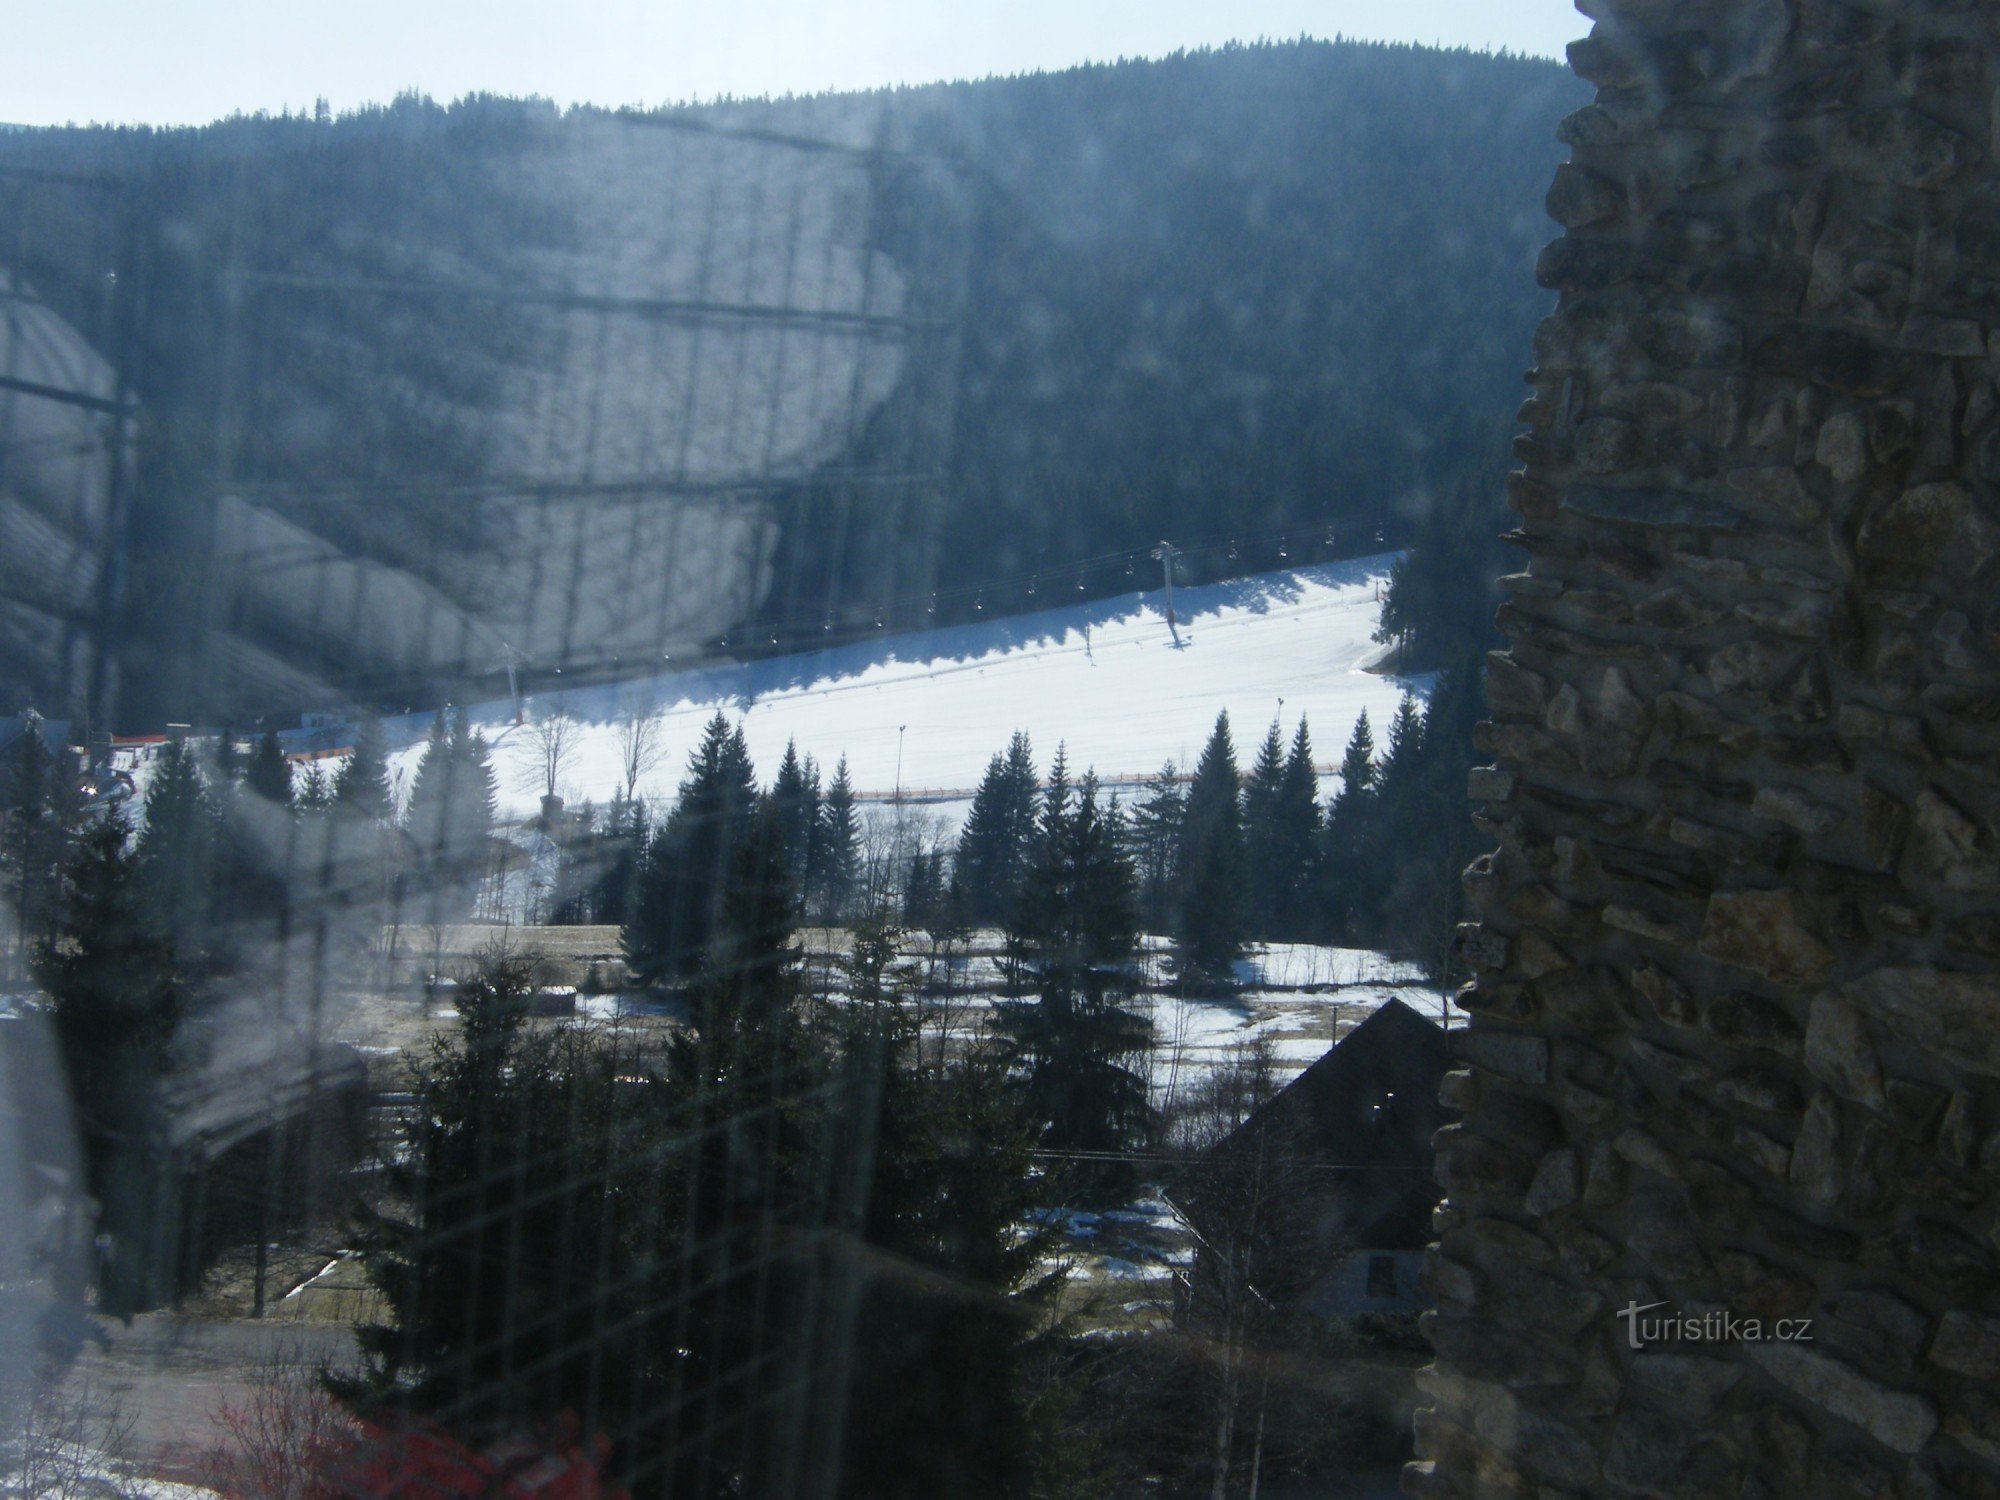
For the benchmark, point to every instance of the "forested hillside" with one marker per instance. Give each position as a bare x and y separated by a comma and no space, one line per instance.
1264,295
1243,293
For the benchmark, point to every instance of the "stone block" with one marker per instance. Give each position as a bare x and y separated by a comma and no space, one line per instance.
1640,1149
1773,933
1764,1090
1839,1054
1471,1166
1875,1327
1764,1152
1756,1288
1579,196
1968,1344
1779,487
1901,1421
1955,1016
1939,1255
1459,1090
1652,507
1557,1183
1908,149
1946,847
1796,810
1750,1021
1750,667
1608,445
1513,1055
1689,1385
1656,1456
1973,1422
1650,925
1480,946
1934,525
1841,448
1952,338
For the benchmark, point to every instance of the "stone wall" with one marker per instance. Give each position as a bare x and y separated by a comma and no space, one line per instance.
1736,1039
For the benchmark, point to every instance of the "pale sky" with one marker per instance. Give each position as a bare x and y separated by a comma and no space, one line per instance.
190,61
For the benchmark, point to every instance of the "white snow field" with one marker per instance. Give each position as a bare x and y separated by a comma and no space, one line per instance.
1104,678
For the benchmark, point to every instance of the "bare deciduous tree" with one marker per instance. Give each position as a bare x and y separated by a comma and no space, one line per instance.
640,745
552,739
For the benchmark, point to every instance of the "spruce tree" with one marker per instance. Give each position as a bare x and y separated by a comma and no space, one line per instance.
116,997
749,979
1385,841
795,802
1071,1046
981,847
1357,763
1041,903
684,872
839,843
1264,881
1153,832
1295,849
433,775
315,794
1400,763
476,781
361,786
994,849
532,1170
1209,931
1349,834
449,820
268,774
743,1082
949,1296
177,854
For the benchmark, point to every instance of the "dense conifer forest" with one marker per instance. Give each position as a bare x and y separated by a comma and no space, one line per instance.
1243,298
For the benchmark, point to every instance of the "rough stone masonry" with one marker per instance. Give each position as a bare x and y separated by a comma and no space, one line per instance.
1736,1036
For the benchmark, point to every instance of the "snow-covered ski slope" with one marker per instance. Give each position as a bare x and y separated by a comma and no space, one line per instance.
1104,678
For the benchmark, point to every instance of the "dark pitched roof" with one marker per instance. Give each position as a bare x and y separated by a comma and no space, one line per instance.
1375,1089
1353,1131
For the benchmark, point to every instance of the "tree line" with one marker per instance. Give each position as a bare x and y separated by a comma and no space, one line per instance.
654,1238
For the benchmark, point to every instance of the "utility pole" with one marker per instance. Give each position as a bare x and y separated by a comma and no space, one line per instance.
1166,552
